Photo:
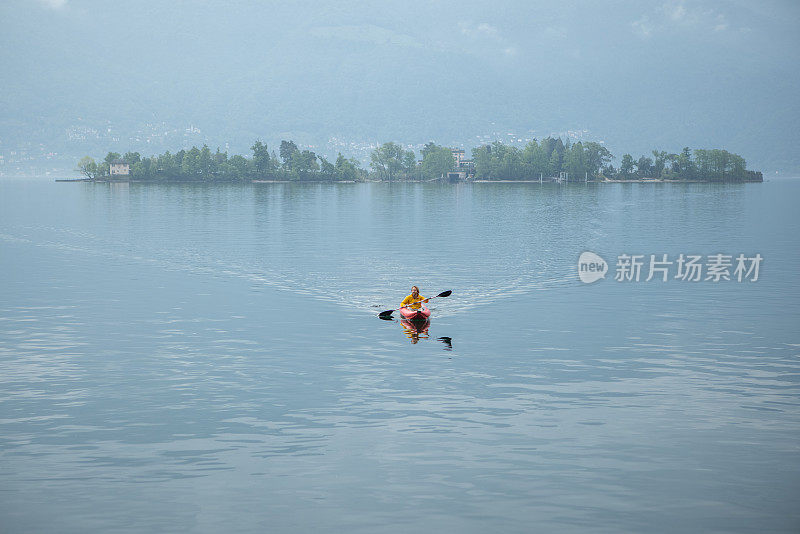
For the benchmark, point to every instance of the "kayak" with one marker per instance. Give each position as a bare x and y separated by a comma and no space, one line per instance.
409,314
419,315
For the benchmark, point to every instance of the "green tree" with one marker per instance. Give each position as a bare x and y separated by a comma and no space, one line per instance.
510,166
660,162
555,163
574,162
626,166
536,160
549,144
387,161
327,169
303,164
704,163
220,157
499,162
288,149
88,167
738,167
177,165
683,165
409,163
644,167
346,169
595,157
166,166
430,145
436,161
482,157
138,170
190,165
264,164
132,158
206,164
239,167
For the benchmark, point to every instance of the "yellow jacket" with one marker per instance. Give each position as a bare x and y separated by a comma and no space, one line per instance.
412,302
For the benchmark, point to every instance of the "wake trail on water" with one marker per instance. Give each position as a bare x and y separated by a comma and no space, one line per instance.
323,286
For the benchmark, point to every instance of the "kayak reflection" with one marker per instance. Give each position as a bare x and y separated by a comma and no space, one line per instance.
415,330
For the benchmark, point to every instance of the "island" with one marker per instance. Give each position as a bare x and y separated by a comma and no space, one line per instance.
548,160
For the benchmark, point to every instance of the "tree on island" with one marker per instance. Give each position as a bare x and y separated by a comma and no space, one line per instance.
262,161
327,170
548,158
660,158
347,169
436,161
644,168
88,167
682,164
303,165
391,161
288,148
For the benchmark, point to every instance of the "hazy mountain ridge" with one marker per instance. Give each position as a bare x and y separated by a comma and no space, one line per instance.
636,75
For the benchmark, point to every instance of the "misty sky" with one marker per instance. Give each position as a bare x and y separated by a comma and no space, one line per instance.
637,74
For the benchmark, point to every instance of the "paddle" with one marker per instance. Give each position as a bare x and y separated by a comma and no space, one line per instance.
387,313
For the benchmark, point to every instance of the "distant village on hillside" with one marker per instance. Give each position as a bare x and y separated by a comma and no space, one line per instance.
81,137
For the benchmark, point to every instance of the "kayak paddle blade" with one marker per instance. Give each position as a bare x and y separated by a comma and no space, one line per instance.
385,314
444,294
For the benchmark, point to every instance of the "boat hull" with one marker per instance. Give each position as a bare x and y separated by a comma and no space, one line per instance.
419,315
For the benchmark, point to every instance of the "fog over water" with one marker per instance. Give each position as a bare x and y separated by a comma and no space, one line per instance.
87,76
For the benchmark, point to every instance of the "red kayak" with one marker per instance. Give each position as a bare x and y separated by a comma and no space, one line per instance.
419,315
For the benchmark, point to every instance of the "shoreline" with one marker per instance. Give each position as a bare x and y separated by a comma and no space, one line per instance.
662,181
638,181
303,182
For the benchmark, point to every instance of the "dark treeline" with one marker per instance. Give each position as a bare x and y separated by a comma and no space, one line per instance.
390,162
706,165
202,165
591,160
548,158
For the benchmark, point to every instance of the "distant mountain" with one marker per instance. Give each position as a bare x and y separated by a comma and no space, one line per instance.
86,76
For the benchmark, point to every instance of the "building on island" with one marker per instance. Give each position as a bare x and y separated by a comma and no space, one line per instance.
458,156
464,168
119,168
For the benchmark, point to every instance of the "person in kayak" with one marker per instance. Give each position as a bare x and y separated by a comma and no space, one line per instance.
413,300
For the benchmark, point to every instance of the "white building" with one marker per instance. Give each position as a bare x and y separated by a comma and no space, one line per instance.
119,168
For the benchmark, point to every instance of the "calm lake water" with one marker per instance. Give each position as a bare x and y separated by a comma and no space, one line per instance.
208,359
